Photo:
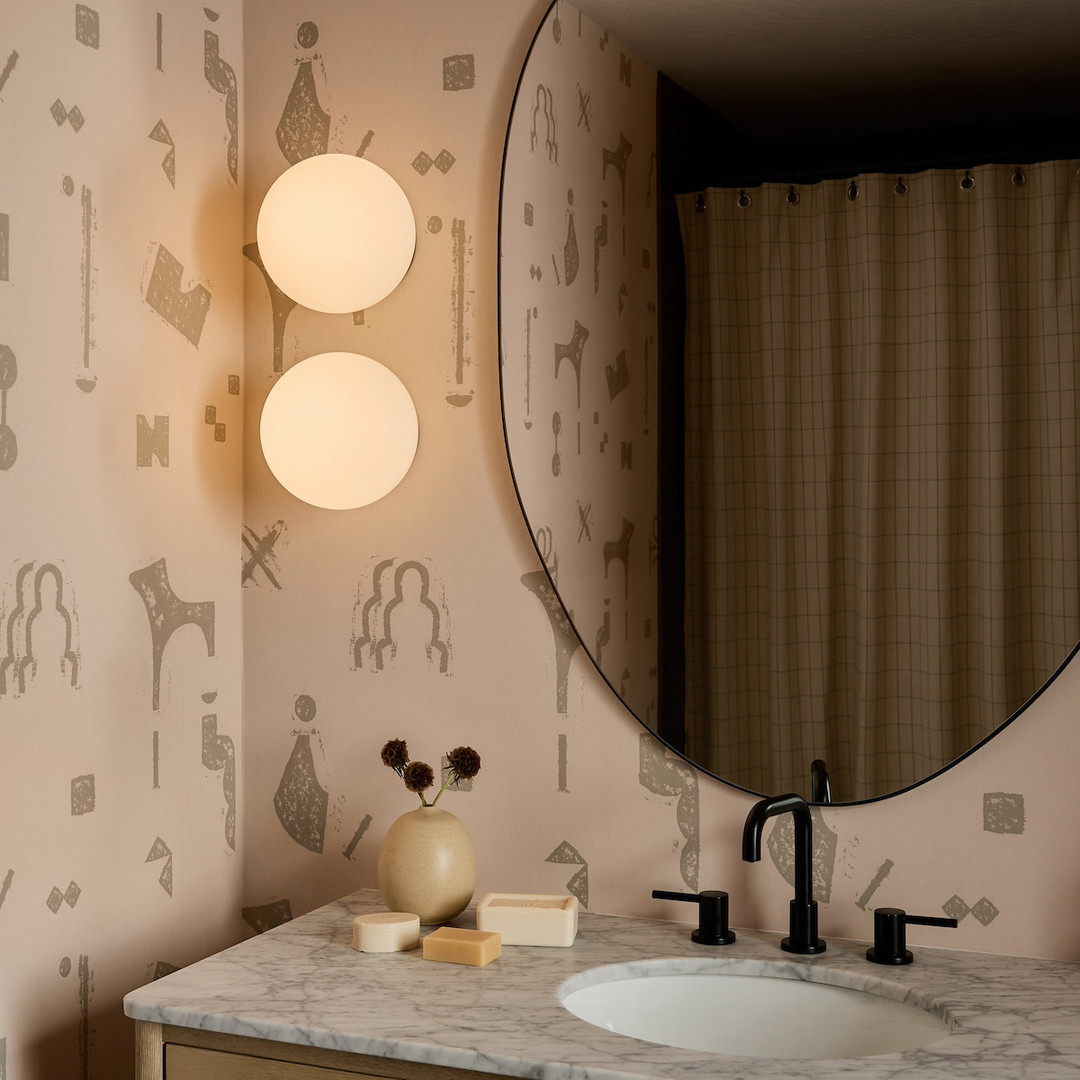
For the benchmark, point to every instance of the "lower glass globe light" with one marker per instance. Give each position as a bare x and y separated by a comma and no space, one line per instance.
339,430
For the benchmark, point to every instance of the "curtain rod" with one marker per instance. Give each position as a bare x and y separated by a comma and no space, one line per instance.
904,168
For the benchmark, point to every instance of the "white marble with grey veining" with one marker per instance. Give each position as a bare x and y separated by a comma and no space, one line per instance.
1012,1018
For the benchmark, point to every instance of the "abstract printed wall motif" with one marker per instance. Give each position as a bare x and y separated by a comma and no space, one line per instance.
167,614
9,443
5,242
461,298
222,78
85,380
401,619
262,917
160,133
219,755
83,794
880,875
57,898
443,162
565,640
259,561
210,419
40,642
983,910
281,306
82,999
9,67
87,26
160,852
304,128
300,800
151,441
459,72
350,847
578,885
661,773
73,117
1003,812
183,309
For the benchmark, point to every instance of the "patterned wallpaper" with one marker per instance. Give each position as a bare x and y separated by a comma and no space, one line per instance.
418,617
121,369
414,618
578,302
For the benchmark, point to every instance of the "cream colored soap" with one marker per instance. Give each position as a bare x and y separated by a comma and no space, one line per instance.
472,947
529,918
386,931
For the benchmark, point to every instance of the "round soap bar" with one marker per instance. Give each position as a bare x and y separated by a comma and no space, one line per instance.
386,931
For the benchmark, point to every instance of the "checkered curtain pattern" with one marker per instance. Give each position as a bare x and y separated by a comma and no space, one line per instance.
881,443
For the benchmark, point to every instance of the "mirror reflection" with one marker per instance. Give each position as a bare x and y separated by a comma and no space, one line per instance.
874,546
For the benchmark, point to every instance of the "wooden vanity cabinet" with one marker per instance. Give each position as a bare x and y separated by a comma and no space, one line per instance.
163,1052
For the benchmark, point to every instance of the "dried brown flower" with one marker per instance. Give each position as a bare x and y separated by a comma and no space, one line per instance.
464,764
396,754
418,776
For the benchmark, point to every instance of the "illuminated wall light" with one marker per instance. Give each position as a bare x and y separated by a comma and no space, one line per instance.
336,234
339,430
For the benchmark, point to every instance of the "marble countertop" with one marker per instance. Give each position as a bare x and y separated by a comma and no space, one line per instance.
1013,1018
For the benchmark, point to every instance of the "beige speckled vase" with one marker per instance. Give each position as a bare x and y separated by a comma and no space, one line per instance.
427,865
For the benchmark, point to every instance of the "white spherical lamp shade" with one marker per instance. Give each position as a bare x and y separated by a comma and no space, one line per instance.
336,233
339,430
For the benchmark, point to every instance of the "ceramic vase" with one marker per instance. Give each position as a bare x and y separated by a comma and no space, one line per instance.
427,865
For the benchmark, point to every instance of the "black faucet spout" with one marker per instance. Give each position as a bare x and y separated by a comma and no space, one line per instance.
803,936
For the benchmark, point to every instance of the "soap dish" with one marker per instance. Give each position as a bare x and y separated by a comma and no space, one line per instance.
529,918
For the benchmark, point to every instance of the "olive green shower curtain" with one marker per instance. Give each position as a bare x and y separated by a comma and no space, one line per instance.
882,438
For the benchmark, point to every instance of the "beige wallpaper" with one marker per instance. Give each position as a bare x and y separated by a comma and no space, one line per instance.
578,798
119,759
121,429
578,334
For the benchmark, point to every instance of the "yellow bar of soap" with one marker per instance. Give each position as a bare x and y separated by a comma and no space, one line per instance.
386,931
473,947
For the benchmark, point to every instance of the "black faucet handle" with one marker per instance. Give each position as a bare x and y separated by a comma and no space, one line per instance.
890,934
712,914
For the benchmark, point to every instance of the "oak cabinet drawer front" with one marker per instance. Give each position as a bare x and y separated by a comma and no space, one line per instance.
194,1063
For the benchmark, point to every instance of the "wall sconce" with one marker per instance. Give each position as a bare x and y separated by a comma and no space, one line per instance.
336,234
339,430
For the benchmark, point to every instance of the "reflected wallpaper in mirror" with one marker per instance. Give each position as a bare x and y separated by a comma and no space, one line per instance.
578,334
796,656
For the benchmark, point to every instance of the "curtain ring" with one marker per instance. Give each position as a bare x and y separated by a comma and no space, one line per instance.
967,182
901,188
853,191
1018,177
792,196
699,202
744,200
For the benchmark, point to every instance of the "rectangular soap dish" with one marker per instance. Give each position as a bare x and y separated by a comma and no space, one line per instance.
529,918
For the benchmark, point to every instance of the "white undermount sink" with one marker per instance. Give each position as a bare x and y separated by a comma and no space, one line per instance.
754,1008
